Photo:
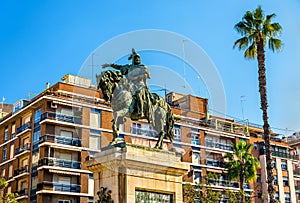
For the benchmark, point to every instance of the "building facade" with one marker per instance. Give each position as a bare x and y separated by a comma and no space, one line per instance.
45,143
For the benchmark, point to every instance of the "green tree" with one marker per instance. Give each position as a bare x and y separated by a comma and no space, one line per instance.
257,31
205,193
4,197
241,165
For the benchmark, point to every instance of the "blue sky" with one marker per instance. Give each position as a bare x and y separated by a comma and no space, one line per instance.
41,41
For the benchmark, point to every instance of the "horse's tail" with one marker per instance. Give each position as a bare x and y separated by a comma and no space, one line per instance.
108,81
170,121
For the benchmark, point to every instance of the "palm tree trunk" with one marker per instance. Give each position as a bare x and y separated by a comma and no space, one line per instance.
264,106
242,196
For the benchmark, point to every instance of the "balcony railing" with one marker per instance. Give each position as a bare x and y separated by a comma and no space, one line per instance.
215,163
23,148
49,161
22,192
218,145
143,131
61,117
61,140
280,154
224,183
23,127
24,169
58,187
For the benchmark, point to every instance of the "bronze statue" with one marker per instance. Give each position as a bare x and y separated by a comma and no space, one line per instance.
104,196
128,92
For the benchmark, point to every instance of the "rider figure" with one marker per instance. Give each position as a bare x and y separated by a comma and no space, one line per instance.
137,75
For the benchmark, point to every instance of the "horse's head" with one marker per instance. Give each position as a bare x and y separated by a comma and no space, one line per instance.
107,81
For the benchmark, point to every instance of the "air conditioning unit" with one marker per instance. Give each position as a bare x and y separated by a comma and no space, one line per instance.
53,105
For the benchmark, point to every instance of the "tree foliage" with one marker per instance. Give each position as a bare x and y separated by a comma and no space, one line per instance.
5,197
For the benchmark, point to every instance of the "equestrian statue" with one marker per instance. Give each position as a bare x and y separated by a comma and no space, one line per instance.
127,90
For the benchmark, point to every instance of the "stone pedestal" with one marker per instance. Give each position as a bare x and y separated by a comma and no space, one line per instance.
132,171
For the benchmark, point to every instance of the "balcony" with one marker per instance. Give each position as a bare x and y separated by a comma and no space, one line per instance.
19,171
225,126
50,161
212,144
25,147
61,140
61,117
22,193
280,154
297,188
224,183
58,187
23,127
215,163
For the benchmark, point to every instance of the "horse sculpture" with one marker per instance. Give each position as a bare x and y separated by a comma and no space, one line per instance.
118,90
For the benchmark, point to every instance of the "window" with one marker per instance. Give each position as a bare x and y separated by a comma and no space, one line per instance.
26,119
196,158
37,116
283,166
197,177
13,130
11,151
275,180
66,134
277,196
36,135
10,170
255,147
195,136
273,163
287,197
4,153
64,201
34,182
258,179
95,140
285,181
136,128
95,118
24,185
177,133
64,180
3,172
66,111
6,134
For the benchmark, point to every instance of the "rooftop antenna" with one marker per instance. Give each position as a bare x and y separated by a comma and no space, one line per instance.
93,54
2,103
184,66
242,106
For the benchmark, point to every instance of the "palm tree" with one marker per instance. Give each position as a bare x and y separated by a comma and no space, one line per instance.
257,30
241,164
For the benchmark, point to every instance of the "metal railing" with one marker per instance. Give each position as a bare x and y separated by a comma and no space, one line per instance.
215,163
58,187
218,145
24,169
61,140
50,161
62,117
23,127
25,147
280,154
22,192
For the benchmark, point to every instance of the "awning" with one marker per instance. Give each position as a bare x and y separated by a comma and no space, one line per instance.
64,172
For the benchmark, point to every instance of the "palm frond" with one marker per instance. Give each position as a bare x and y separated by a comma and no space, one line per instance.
241,43
275,44
251,52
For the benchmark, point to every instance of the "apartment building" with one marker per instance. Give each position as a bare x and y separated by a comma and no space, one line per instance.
45,142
